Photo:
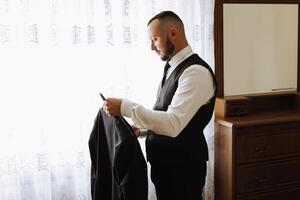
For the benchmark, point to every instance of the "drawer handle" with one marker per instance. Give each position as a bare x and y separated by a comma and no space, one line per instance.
263,149
261,180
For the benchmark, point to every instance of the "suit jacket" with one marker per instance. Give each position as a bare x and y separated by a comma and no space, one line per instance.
119,170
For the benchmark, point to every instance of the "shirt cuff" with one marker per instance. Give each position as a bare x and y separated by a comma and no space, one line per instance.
127,107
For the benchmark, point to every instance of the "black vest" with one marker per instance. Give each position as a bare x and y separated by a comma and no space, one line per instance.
190,145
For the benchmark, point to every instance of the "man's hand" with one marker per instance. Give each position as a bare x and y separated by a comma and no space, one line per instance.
136,130
112,106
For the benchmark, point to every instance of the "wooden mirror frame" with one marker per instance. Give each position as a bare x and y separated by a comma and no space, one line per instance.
219,43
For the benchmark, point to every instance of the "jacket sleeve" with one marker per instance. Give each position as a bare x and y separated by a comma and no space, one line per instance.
130,169
124,150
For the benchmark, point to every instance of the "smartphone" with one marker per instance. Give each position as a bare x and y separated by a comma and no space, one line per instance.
103,98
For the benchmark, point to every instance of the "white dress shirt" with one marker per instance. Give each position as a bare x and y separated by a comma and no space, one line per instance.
195,88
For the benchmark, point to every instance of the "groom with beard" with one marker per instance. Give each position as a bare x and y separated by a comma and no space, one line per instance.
176,147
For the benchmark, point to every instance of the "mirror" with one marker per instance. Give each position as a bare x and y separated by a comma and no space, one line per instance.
260,48
256,46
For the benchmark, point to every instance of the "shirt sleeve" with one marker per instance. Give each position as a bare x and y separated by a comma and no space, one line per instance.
195,88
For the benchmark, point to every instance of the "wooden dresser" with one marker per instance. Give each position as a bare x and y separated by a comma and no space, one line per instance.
257,148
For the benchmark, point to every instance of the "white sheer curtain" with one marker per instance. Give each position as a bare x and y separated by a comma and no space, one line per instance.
56,56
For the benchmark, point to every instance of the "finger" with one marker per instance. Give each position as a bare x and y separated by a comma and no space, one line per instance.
104,104
108,101
137,133
104,108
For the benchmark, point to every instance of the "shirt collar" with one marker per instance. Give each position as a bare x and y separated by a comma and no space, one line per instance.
181,56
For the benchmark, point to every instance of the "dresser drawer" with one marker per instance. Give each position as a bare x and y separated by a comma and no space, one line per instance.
256,177
282,194
267,142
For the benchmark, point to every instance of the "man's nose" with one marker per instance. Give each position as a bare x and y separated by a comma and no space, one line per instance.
153,46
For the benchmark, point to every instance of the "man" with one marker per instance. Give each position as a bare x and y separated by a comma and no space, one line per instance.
175,145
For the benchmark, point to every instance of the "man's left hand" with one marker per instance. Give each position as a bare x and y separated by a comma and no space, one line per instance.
112,106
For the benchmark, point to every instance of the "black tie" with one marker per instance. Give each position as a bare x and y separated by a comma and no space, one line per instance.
167,66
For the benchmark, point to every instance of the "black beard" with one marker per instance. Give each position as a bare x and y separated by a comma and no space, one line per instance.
169,49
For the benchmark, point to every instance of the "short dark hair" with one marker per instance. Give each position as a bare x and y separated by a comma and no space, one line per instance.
168,16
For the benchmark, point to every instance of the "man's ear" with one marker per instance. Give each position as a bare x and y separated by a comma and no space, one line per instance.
172,33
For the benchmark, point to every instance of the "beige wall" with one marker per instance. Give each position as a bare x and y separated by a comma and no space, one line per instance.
260,48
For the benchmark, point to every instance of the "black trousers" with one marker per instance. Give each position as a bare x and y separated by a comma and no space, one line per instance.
179,182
